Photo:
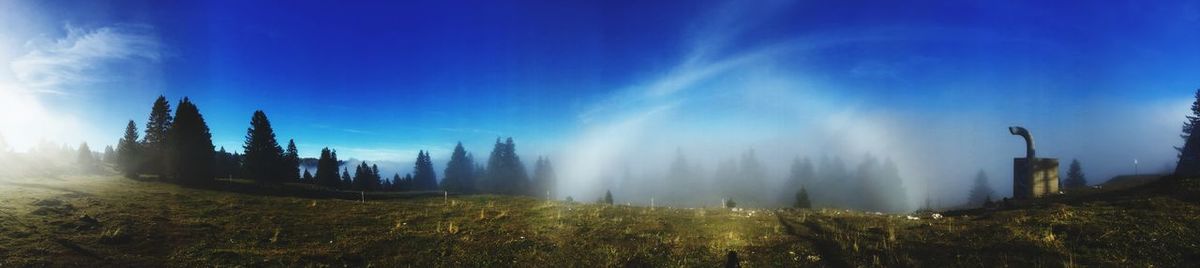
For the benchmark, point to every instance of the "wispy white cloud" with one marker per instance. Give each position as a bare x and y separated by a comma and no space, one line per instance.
52,64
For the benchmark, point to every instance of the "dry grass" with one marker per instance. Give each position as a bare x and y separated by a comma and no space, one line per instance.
132,223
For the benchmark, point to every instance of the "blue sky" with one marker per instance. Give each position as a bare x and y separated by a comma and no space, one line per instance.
588,81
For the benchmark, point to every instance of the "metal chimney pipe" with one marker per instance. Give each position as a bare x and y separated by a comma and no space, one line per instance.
1020,131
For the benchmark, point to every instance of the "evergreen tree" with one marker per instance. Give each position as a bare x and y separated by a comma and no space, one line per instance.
366,177
376,179
291,162
544,181
396,183
460,172
481,178
1189,154
505,172
129,152
155,141
423,175
226,164
608,199
307,177
1075,178
407,182
981,191
347,181
327,165
264,157
362,177
191,150
802,198
110,155
800,173
85,161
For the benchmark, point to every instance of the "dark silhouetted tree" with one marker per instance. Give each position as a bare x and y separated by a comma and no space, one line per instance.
227,164
424,178
544,180
191,148
155,142
291,162
800,173
128,152
307,177
505,172
802,199
608,199
981,191
460,172
1075,178
1189,154
264,157
366,178
327,164
347,181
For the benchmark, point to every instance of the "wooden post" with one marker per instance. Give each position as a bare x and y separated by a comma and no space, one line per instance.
363,195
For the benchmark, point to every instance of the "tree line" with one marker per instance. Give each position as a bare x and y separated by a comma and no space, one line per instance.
178,148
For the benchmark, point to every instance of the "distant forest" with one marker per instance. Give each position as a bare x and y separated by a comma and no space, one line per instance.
176,146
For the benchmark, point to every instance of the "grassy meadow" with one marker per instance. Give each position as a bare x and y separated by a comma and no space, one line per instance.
112,221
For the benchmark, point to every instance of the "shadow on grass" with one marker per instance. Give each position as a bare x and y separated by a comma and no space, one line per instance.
307,191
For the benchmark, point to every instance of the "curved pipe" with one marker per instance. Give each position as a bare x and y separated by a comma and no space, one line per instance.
1020,131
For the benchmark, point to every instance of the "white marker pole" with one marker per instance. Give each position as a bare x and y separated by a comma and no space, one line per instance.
1135,167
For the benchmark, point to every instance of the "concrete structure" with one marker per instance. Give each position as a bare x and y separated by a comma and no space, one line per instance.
1033,177
1043,181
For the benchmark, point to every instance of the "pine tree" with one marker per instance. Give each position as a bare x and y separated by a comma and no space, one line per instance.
264,157
155,141
366,178
110,155
191,150
981,191
327,165
543,183
291,162
608,199
225,164
85,161
376,181
802,198
347,181
423,174
505,172
129,152
362,177
460,172
1075,178
800,173
396,183
1189,154
307,177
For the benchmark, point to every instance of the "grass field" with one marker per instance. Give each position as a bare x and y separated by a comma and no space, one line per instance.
111,221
